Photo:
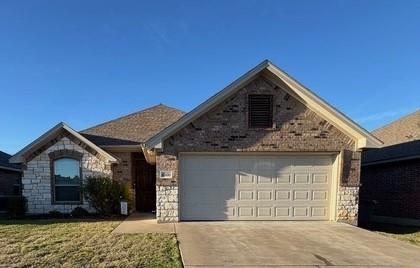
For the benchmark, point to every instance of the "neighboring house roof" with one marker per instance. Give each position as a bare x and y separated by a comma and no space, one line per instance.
4,162
19,157
396,152
135,128
362,137
402,130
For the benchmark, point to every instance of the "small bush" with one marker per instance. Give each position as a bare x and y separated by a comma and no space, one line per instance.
79,212
17,206
104,194
55,214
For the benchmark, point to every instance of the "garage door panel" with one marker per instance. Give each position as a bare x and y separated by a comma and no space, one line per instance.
246,178
255,188
246,195
264,195
217,178
246,211
301,195
320,195
301,178
199,162
207,195
265,212
195,212
320,178
264,178
250,163
282,212
282,195
283,178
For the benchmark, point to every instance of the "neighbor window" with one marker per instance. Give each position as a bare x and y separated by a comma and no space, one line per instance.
260,111
67,180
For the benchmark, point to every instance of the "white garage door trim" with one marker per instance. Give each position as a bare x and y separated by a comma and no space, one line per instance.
334,174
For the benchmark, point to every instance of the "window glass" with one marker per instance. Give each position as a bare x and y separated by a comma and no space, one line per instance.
67,171
67,193
67,180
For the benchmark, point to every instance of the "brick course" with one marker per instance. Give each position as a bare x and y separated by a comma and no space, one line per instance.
393,187
295,129
8,179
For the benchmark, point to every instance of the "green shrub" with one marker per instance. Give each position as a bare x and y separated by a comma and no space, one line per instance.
104,194
55,214
17,206
79,212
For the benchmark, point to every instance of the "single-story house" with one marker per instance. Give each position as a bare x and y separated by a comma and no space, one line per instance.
263,148
10,175
390,175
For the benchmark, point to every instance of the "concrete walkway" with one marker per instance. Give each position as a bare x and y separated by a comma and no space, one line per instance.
143,223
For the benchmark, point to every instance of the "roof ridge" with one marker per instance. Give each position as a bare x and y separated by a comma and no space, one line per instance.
395,121
130,114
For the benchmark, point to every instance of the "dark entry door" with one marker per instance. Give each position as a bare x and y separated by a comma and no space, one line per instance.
145,183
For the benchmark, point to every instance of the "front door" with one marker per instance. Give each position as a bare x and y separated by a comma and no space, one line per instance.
145,183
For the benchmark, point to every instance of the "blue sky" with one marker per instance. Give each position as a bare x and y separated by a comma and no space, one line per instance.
85,62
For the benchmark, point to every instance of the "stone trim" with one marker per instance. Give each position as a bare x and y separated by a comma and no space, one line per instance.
348,205
167,203
60,154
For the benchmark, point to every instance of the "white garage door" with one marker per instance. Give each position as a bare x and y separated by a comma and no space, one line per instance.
257,187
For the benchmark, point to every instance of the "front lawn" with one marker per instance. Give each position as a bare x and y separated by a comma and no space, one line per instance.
404,233
82,243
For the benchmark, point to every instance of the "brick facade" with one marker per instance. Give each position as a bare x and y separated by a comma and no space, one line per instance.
9,180
295,129
392,189
123,170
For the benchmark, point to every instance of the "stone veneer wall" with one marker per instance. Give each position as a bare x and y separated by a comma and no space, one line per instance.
296,128
36,180
348,204
167,203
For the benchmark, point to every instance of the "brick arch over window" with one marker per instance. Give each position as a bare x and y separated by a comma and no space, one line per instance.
62,154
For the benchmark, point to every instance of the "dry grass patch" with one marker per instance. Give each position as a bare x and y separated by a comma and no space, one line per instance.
87,243
405,233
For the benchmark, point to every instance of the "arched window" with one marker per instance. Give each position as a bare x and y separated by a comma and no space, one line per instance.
66,180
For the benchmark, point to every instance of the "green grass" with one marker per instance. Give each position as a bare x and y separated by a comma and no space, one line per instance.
87,243
404,233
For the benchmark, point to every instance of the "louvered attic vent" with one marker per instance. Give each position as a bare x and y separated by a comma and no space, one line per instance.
260,111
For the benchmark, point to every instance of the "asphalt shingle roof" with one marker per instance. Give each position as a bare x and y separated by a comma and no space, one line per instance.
402,130
401,141
135,128
4,161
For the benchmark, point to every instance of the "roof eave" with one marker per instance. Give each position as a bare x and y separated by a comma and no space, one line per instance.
10,168
19,156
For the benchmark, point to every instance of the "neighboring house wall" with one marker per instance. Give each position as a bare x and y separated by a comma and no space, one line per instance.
225,129
9,181
392,189
36,180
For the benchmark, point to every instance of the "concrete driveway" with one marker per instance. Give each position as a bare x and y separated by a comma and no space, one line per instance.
271,244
